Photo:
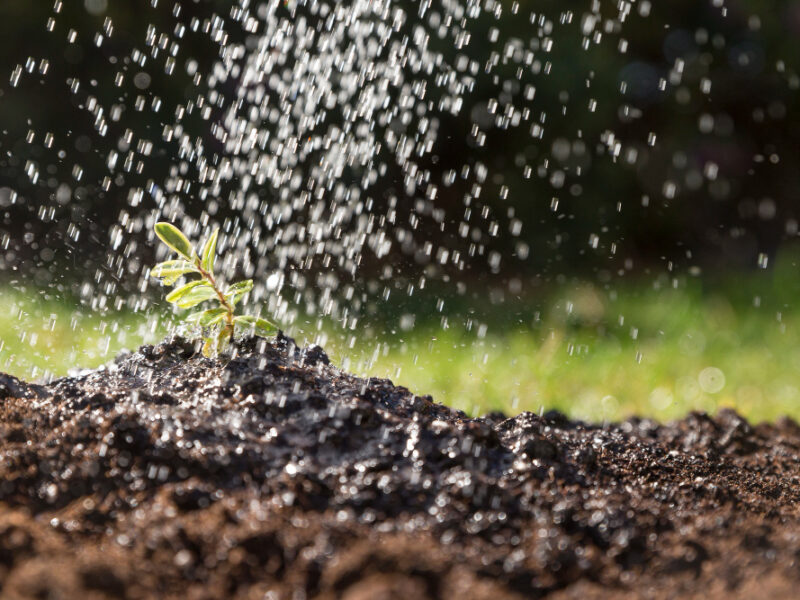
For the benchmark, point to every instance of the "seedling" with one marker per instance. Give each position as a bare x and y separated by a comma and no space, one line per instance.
219,323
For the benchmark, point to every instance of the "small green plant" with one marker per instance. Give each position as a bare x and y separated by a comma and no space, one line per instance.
219,323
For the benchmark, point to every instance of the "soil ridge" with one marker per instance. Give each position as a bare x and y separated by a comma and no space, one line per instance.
271,471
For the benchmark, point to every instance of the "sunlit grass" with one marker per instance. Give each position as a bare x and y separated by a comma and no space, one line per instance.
693,367
592,353
650,351
40,339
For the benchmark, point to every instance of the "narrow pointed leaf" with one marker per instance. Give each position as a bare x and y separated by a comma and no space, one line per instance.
205,318
215,320
175,295
265,326
196,295
169,281
241,286
169,271
210,252
234,293
172,265
172,237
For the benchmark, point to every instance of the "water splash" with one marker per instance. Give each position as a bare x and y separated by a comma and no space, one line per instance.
353,153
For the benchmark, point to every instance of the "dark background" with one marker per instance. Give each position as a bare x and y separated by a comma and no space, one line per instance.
719,187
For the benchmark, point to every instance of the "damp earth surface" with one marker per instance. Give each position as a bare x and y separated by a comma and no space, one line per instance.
271,473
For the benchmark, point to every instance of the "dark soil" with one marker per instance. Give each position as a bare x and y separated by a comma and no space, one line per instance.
276,475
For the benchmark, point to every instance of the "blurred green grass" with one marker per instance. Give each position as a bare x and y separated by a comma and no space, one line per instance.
654,348
673,352
42,337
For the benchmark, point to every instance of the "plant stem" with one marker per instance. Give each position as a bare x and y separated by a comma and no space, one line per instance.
225,304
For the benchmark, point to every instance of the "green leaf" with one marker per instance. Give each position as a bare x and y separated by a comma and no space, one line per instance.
257,322
210,252
208,317
196,295
169,271
209,347
241,286
180,292
234,293
172,237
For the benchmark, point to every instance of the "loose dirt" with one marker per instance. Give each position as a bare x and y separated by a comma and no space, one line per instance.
273,474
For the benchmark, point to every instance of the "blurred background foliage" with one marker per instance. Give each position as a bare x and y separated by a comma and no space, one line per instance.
656,186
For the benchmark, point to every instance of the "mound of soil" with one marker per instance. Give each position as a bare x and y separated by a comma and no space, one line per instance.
273,474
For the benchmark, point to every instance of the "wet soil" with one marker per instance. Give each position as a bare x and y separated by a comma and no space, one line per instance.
273,474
